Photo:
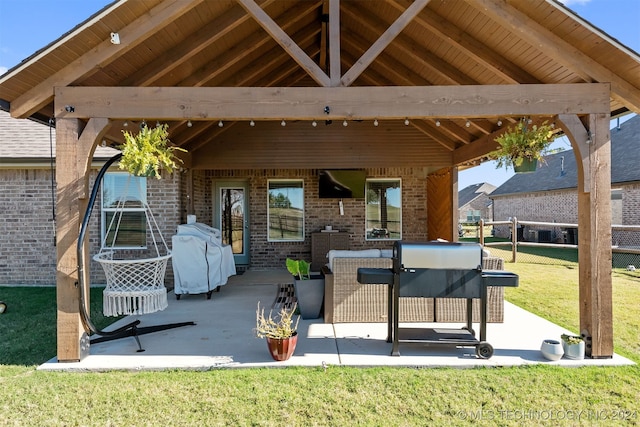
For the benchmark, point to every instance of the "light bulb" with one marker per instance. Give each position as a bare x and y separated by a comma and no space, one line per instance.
406,122
125,124
283,123
314,123
499,122
220,124
468,123
438,123
252,123
375,122
345,124
189,124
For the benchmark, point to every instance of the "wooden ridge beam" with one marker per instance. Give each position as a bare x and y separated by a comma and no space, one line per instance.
351,103
287,43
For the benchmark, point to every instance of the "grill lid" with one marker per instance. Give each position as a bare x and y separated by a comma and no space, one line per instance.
438,255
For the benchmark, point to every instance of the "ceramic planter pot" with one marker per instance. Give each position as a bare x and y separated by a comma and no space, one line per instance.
310,295
282,349
526,166
573,351
551,350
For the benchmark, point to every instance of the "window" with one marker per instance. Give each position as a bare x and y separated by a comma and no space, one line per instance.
384,209
132,191
473,216
285,211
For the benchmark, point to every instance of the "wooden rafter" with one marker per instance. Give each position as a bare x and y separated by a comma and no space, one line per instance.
334,42
558,49
132,35
287,43
383,41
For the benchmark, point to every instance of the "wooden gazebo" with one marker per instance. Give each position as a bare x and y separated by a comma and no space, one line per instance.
456,71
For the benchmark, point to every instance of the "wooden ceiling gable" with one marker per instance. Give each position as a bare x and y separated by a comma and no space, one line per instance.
327,43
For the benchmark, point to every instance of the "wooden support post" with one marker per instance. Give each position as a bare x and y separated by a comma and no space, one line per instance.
592,147
442,204
73,158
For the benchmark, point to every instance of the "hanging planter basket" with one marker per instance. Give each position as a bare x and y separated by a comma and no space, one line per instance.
527,166
148,152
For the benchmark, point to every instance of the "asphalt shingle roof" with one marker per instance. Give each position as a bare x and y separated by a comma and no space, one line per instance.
559,170
467,194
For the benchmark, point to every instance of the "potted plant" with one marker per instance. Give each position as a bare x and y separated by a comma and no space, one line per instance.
573,346
309,289
280,331
523,145
148,151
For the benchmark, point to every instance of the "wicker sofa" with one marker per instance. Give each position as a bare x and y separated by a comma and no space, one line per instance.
347,301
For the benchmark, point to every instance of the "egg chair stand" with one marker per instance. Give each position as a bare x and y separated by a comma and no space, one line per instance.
133,286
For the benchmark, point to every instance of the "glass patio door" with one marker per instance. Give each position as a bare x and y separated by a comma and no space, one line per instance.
231,216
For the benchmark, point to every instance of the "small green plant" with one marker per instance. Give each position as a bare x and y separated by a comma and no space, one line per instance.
299,268
280,326
148,151
523,141
571,339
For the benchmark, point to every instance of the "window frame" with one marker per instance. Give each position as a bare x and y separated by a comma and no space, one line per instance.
103,210
301,238
398,181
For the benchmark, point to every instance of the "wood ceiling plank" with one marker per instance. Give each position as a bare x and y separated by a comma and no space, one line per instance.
290,46
557,49
383,41
351,103
471,47
132,35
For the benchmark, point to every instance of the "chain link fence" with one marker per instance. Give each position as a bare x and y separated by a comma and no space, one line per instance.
548,242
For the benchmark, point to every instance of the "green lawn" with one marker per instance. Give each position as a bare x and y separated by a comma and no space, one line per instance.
533,395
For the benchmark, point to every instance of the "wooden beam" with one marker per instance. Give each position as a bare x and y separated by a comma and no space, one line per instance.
592,147
334,42
471,47
558,49
72,148
307,103
383,41
287,43
132,35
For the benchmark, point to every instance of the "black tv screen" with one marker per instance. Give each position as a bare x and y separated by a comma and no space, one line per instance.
341,184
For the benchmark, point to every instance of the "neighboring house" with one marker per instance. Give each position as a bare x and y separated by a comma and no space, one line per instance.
474,203
550,193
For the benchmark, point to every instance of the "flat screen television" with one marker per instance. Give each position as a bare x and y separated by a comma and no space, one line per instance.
341,184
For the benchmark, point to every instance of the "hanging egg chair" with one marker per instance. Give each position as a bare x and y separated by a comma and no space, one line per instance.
135,285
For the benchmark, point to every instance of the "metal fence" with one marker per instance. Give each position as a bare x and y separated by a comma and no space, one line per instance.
548,242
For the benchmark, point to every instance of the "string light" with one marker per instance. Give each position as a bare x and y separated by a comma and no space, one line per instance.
283,123
375,122
220,124
438,123
468,123
125,124
189,124
314,123
499,122
252,123
345,124
406,122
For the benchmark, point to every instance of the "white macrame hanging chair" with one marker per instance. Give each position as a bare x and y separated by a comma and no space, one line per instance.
134,286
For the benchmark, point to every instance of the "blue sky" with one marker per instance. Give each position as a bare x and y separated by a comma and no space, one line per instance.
29,25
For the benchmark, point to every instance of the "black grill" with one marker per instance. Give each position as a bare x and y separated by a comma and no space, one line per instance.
438,270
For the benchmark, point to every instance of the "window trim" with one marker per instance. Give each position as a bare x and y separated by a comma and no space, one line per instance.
285,180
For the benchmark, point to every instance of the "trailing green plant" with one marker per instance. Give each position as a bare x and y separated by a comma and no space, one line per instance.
571,339
280,326
523,141
300,269
148,151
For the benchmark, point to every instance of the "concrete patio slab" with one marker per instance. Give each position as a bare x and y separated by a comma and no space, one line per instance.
223,338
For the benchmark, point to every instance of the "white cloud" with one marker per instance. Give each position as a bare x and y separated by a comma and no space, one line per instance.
3,70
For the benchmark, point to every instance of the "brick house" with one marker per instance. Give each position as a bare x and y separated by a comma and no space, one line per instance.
550,193
257,94
474,203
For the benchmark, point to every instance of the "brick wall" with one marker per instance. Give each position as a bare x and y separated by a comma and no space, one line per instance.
321,212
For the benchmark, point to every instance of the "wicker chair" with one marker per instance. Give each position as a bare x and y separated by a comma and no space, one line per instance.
347,301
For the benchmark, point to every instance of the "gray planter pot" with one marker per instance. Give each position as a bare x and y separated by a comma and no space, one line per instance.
573,351
310,295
